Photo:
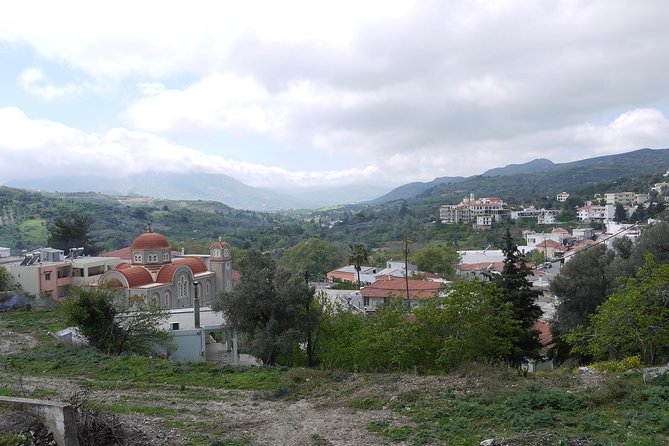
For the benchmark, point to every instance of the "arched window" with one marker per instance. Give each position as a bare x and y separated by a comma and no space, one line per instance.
166,257
216,253
137,258
207,289
155,299
167,303
182,287
152,258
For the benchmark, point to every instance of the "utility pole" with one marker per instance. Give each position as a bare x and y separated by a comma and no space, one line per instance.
406,243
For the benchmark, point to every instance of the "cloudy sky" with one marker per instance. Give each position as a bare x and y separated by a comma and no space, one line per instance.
285,93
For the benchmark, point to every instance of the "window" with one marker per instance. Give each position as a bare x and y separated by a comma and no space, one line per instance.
182,287
167,303
152,258
207,289
47,275
216,253
366,301
137,258
166,257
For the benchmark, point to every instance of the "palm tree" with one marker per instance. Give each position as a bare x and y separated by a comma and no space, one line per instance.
357,255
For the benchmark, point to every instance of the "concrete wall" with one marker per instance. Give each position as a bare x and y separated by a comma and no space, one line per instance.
190,345
57,417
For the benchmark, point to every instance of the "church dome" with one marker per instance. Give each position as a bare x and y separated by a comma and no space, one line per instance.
150,240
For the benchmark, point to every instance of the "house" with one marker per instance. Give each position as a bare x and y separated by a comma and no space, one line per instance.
47,272
348,273
562,197
593,212
659,187
479,270
551,248
389,287
625,198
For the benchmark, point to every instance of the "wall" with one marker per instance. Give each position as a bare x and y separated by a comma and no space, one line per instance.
57,417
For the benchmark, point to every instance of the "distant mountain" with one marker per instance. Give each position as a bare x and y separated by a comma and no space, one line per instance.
570,177
202,186
536,165
411,190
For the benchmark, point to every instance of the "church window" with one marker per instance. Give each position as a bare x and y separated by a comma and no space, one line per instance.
227,286
217,253
166,257
155,299
137,258
152,258
226,253
182,287
168,299
207,289
227,265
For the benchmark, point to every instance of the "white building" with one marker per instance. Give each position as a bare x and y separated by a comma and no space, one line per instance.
562,197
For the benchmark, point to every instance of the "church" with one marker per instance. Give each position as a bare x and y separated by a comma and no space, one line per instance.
154,275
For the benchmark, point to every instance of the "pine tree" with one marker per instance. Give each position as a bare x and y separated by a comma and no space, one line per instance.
517,290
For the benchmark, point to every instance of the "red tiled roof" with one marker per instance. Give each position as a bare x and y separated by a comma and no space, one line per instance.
136,276
560,231
150,240
123,253
194,263
545,335
548,244
396,286
123,265
166,273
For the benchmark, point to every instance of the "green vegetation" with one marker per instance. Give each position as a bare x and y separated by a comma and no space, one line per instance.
113,323
438,259
315,256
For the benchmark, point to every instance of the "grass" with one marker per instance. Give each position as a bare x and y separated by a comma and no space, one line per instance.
623,411
33,230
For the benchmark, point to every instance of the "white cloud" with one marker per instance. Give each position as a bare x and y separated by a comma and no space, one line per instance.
36,83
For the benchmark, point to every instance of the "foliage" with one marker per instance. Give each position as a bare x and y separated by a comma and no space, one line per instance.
112,324
270,306
438,259
5,279
622,365
633,321
517,290
582,285
72,231
357,255
315,256
470,324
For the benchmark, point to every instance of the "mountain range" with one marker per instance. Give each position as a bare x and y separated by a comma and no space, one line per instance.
521,181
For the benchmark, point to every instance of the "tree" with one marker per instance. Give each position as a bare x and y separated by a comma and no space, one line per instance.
357,255
517,290
633,321
5,279
439,259
472,323
113,324
582,285
72,231
316,256
620,215
270,305
654,240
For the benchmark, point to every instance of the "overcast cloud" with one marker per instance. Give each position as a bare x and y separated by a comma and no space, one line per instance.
303,92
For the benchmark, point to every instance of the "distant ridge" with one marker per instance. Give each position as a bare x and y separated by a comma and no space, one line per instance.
536,165
539,176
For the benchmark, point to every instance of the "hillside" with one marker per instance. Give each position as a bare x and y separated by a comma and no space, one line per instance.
517,183
217,404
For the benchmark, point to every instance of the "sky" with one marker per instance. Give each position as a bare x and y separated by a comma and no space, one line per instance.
304,93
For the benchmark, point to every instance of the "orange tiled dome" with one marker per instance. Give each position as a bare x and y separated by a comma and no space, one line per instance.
150,240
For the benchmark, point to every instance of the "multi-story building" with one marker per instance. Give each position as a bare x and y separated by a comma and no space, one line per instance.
562,197
480,211
596,213
625,198
46,272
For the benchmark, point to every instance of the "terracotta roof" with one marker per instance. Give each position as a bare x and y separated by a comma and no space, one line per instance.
194,263
396,286
548,244
560,231
122,265
166,273
136,276
545,335
123,253
220,245
150,240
